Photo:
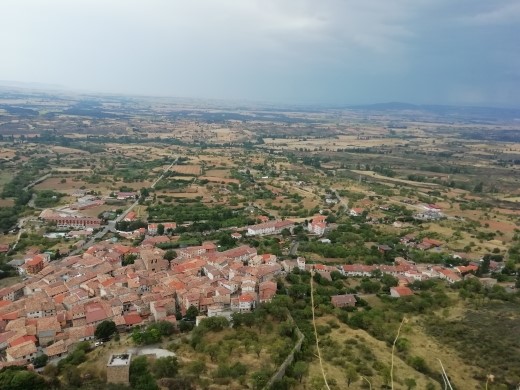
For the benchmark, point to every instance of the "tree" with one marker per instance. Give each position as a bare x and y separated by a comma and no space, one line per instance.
351,375
140,377
483,269
18,378
260,379
170,254
40,361
165,367
410,383
160,229
257,347
165,328
196,367
300,369
72,376
389,281
192,313
478,187
105,329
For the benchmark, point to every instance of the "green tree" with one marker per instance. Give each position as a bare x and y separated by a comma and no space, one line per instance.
260,379
192,313
105,329
170,254
40,361
196,367
140,377
300,369
18,378
160,229
165,367
351,375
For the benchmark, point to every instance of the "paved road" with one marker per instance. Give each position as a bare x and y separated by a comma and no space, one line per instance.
111,226
341,201
294,248
150,350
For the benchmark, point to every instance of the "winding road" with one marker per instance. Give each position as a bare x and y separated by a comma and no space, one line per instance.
111,226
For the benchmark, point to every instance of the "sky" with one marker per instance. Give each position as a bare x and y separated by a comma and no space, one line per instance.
464,52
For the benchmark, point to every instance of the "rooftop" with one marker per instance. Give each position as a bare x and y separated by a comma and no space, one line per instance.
119,360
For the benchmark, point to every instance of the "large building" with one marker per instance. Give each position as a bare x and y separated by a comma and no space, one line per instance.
271,227
69,220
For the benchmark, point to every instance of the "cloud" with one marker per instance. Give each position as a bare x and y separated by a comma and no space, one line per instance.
501,14
289,50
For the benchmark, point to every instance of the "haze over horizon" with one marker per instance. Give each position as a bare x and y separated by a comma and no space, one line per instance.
292,51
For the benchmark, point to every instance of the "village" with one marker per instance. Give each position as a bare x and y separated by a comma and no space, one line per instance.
59,303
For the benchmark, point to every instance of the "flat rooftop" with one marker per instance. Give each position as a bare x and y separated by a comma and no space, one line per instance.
122,359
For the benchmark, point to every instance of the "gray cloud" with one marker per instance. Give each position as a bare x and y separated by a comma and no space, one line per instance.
330,51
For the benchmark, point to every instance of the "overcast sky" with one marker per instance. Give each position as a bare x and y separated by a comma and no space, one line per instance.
297,51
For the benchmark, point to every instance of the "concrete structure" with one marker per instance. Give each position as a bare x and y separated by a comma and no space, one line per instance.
271,227
118,368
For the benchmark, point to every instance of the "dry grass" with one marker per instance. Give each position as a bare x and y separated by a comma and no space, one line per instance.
9,202
218,173
193,170
381,351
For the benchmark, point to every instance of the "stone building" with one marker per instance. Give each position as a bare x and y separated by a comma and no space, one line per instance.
118,368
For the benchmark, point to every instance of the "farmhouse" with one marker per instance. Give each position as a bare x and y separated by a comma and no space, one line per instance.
345,300
398,292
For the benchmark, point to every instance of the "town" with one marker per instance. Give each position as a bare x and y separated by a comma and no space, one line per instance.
204,256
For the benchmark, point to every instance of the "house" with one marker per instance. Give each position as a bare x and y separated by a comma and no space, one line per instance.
22,352
12,293
34,265
153,259
356,212
236,236
383,248
466,269
126,195
317,225
4,248
194,251
130,217
46,329
357,270
266,291
168,227
56,350
132,319
398,292
345,300
242,253
448,275
246,302
95,313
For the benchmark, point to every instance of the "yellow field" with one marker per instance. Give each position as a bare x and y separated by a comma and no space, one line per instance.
193,170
